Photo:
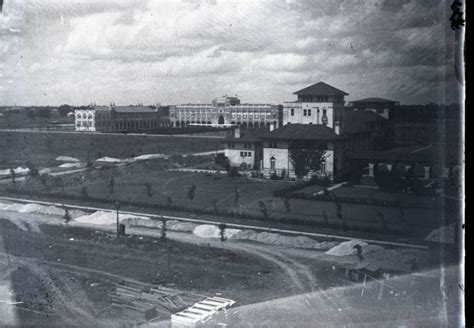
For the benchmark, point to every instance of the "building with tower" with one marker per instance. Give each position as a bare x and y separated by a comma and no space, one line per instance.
226,111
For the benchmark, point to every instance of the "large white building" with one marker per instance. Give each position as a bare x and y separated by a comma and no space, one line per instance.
226,111
120,118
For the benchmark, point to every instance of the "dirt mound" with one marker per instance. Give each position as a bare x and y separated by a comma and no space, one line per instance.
18,170
212,231
281,240
67,159
180,226
107,218
346,248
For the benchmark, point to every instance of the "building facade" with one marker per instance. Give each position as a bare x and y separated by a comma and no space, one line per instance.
319,103
282,149
120,118
244,148
226,111
380,106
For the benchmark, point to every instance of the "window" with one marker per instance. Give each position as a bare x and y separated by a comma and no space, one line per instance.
249,154
292,111
304,112
309,112
241,154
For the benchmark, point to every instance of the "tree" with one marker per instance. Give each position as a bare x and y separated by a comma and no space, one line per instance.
286,203
163,229
222,227
191,192
67,217
149,189
13,176
112,184
325,216
263,209
33,171
63,110
306,157
339,213
382,220
84,192
215,206
236,197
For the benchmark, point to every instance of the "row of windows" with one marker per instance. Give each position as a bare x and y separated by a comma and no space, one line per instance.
314,98
307,112
85,116
245,154
272,144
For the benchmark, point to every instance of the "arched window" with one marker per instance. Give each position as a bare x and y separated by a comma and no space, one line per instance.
272,163
79,116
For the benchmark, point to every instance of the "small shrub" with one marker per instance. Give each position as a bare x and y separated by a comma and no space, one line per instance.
84,192
233,172
191,192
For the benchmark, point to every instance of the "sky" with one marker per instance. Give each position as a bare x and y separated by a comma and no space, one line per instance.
79,52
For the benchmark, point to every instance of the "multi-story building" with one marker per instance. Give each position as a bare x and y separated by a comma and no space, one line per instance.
226,111
311,124
121,118
380,106
319,103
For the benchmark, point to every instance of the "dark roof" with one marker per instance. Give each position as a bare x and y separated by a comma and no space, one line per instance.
303,132
133,109
320,89
374,100
248,135
356,121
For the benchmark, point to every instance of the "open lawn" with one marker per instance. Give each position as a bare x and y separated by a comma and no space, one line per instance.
367,192
43,147
171,186
415,222
149,183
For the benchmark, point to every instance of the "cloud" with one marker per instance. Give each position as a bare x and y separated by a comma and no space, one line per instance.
80,51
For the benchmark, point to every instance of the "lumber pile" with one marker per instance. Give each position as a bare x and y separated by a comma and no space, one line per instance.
145,303
198,314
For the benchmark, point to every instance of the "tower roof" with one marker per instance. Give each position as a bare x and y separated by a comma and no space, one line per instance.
320,89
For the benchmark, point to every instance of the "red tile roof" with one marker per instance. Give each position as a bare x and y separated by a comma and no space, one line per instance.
374,100
320,89
303,132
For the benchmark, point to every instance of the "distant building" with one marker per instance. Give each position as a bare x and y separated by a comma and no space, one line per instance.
366,130
315,124
226,111
380,106
121,118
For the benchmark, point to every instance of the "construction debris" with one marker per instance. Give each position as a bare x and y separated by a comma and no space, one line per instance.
198,314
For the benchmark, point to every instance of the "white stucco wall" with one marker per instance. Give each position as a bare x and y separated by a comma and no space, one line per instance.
283,162
82,120
236,159
316,113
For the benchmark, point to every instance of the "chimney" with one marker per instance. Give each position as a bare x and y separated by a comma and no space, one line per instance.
272,126
337,127
237,133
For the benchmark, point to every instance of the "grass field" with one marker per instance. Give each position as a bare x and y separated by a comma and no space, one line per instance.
213,190
42,148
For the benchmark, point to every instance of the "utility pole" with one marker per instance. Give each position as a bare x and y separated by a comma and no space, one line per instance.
117,208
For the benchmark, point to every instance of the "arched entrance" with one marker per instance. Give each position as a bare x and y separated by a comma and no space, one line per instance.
221,120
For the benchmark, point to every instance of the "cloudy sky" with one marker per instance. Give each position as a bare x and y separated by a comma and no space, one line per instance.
81,51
